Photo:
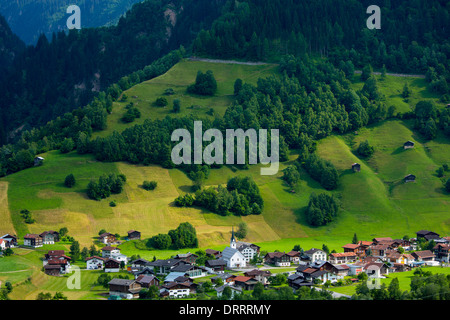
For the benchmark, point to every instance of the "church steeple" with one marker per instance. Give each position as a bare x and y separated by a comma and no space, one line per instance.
233,240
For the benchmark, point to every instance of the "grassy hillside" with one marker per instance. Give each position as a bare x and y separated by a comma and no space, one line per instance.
375,202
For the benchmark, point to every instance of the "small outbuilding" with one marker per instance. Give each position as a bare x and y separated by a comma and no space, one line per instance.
408,145
410,178
356,167
38,161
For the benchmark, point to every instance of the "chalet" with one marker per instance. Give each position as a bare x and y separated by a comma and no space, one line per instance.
423,256
427,235
342,270
114,253
409,178
32,240
279,259
112,265
351,248
408,145
134,235
63,265
398,258
375,270
442,251
234,290
124,288
52,270
11,241
138,264
55,255
145,271
296,281
359,249
189,269
164,266
259,275
384,240
356,167
294,256
38,161
95,263
217,265
49,237
107,238
342,257
187,257
225,277
245,283
177,290
216,254
379,250
147,281
315,255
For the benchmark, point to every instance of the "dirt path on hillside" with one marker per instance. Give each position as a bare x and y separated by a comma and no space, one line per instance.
6,225
403,75
227,61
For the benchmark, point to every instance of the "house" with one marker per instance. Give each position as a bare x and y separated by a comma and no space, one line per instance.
112,265
375,269
134,235
187,257
11,241
52,270
383,240
62,264
423,256
315,254
38,161
234,290
216,254
259,275
164,266
147,281
427,235
294,256
138,264
225,277
177,289
145,271
398,258
107,238
94,263
296,281
379,250
442,251
409,178
279,259
189,269
55,255
124,288
2,244
351,248
408,145
342,270
356,167
248,250
217,265
245,283
109,252
49,237
355,269
32,240
342,257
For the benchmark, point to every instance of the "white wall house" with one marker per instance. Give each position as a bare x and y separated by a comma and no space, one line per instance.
316,255
95,263
109,252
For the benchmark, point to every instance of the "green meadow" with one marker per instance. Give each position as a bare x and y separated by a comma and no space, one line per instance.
374,202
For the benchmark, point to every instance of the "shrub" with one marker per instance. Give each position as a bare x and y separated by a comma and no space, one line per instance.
149,185
69,182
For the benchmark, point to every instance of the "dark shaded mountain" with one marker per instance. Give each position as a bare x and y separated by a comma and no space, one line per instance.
30,18
57,75
10,46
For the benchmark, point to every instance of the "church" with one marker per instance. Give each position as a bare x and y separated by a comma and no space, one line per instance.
232,256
